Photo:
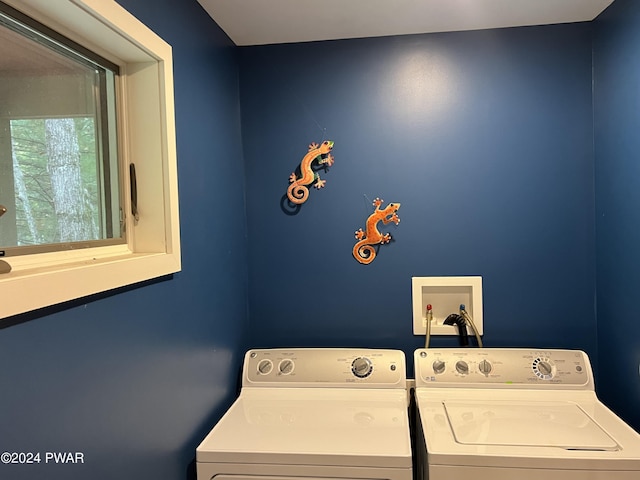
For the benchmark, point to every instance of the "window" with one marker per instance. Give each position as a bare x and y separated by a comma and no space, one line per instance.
120,114
59,180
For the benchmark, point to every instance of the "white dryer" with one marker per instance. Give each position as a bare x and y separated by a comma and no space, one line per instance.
516,414
314,414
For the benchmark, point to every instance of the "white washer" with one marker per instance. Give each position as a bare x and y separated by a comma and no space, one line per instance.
516,414
314,414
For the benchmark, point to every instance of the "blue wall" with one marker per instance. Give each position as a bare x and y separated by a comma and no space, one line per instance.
485,138
617,149
134,380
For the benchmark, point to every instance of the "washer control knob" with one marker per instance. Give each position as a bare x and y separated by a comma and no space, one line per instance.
361,367
544,368
485,367
462,367
286,367
438,366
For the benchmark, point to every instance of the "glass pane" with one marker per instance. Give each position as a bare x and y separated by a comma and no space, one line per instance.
58,164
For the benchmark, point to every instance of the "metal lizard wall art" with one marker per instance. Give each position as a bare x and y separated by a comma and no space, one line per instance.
363,250
298,191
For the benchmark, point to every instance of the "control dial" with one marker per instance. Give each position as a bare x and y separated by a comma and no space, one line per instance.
485,367
544,368
264,367
462,367
286,367
362,367
438,367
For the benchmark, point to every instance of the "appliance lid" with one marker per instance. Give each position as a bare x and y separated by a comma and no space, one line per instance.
527,424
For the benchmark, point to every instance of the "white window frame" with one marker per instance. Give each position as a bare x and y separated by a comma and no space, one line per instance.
147,138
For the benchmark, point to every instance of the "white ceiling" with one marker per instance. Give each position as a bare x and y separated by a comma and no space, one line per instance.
260,22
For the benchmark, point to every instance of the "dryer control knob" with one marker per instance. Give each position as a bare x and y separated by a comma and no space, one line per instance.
265,366
361,367
462,367
438,366
286,367
485,367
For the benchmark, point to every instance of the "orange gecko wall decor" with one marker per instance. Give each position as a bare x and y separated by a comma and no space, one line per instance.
298,191
363,251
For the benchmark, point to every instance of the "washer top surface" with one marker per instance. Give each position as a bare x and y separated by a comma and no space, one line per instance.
511,411
548,424
326,407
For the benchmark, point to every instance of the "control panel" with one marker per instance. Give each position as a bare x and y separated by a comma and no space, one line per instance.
325,367
502,368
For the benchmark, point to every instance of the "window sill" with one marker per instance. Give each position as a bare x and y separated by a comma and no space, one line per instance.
39,285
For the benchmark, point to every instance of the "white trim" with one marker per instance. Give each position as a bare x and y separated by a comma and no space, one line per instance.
148,135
